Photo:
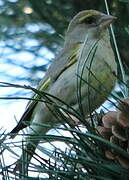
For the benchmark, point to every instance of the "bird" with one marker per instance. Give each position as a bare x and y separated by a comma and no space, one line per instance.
86,60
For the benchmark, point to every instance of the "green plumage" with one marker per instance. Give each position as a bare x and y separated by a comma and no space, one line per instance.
87,54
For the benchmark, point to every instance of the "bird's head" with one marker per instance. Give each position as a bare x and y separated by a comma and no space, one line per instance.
91,22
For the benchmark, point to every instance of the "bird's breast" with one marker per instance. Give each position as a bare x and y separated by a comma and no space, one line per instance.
92,77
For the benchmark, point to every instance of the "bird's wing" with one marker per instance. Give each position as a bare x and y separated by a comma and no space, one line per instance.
65,59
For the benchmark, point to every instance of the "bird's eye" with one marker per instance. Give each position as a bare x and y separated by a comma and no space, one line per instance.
89,20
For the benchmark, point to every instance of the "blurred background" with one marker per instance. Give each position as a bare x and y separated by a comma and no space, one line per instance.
32,33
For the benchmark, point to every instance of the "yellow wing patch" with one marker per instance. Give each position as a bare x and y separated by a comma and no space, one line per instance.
44,87
45,84
73,58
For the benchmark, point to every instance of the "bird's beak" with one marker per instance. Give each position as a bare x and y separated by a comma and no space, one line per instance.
106,20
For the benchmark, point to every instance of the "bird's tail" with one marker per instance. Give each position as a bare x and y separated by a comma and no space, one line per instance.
28,151
22,164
